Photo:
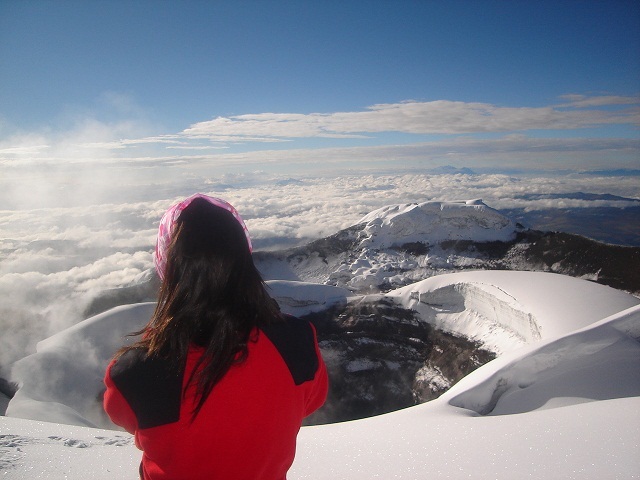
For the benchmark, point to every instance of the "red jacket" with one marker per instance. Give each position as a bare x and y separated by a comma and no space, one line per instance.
248,425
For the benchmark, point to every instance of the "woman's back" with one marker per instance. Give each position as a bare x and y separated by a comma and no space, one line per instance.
219,382
247,427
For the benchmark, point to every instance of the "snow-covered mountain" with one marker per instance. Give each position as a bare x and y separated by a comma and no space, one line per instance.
528,373
392,246
435,221
401,244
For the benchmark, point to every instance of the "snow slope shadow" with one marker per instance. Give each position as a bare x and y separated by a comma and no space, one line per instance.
595,363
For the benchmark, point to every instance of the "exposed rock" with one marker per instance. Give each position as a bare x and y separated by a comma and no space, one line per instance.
379,356
341,262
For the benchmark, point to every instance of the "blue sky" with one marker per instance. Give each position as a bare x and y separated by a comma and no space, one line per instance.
468,83
306,115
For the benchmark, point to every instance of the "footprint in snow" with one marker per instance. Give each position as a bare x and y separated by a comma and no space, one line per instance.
71,442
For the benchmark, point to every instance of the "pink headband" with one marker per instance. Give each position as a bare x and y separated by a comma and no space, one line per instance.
168,223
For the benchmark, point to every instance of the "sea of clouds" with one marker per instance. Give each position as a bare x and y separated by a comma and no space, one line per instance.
70,231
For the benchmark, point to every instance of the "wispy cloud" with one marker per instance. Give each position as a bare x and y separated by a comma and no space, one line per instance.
436,117
468,131
583,101
24,150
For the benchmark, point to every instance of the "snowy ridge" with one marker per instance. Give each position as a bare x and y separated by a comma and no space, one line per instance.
372,254
562,370
505,310
402,244
568,409
434,222
55,386
495,308
485,304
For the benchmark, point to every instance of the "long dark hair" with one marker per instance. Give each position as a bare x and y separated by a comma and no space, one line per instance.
212,296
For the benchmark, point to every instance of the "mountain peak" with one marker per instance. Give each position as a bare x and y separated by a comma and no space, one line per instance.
432,222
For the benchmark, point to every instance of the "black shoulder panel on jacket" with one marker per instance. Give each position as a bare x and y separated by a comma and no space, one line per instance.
294,340
151,387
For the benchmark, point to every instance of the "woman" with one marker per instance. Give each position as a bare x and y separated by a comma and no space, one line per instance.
220,381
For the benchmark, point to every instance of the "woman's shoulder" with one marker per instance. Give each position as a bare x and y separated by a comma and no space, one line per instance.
151,385
290,330
295,340
130,356
134,364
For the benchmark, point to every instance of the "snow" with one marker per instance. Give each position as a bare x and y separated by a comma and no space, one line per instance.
396,245
62,380
562,403
594,440
299,298
436,221
48,451
508,309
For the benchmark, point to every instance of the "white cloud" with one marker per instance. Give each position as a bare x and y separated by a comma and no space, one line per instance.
123,152
55,259
435,117
581,101
26,150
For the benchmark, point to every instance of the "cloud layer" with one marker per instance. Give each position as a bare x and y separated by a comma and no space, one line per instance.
56,259
436,117
577,132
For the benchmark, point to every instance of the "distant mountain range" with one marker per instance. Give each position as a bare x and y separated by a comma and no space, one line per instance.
578,196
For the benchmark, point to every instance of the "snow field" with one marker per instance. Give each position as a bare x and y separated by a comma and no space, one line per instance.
566,405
